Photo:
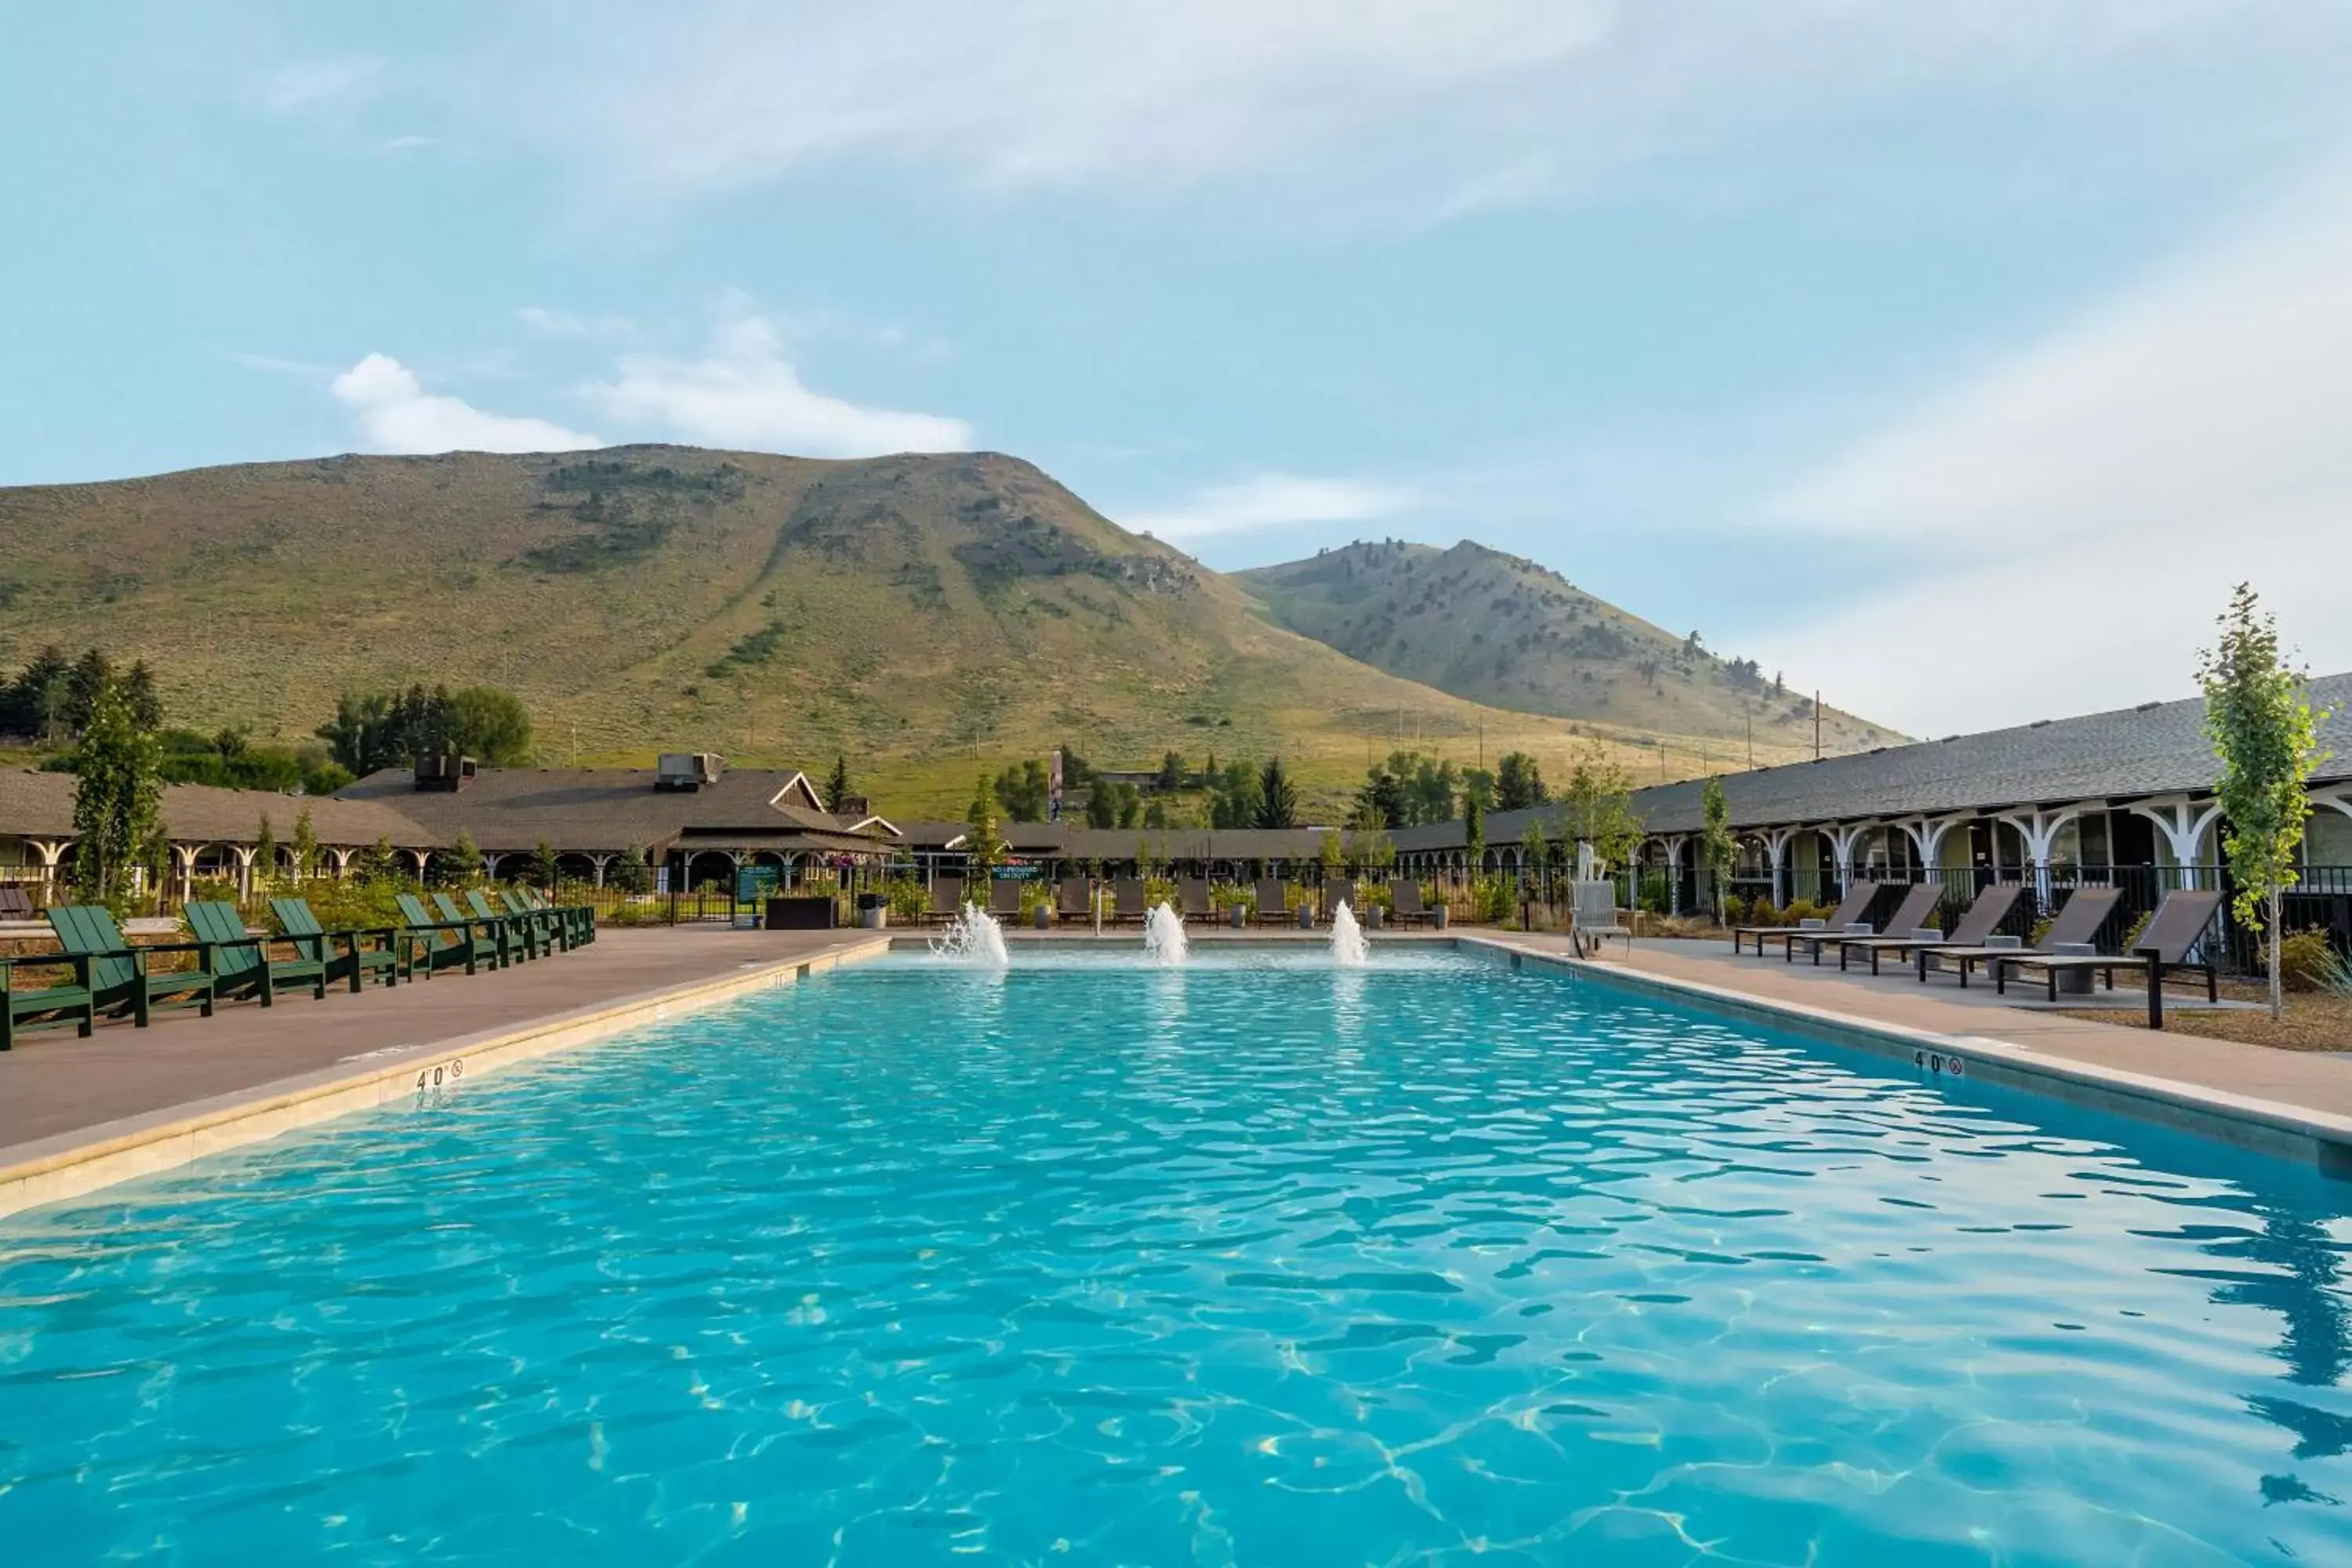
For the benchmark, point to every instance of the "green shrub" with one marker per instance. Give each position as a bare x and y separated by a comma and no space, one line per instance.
1036,894
1802,910
1223,896
1734,910
909,900
2132,936
2306,963
2041,932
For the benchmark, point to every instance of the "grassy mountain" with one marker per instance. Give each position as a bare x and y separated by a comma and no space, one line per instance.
927,616
1497,629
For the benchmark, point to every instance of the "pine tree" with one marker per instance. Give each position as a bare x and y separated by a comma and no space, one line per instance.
629,874
836,788
1278,797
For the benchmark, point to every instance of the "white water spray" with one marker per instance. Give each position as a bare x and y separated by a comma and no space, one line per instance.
973,940
1348,948
1164,942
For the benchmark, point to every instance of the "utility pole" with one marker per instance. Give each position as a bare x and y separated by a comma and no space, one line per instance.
1751,739
1817,724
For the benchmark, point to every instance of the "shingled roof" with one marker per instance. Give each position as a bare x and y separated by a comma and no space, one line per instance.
38,805
601,810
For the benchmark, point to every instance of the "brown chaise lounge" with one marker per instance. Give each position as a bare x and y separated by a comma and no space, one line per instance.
1192,900
1127,901
1849,912
2173,933
1005,898
1916,906
2086,910
1272,905
1404,894
1984,917
947,900
1074,901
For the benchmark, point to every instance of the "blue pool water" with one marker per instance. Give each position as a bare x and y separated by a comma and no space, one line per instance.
1260,1264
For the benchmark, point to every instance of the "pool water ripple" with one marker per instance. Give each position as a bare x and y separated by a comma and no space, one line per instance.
1260,1264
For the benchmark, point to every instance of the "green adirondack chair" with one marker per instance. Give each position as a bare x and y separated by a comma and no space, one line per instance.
544,929
45,1006
520,932
121,981
356,960
579,919
437,943
494,930
242,960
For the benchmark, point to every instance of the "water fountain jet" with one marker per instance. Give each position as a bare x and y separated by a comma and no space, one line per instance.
1164,942
1349,949
972,940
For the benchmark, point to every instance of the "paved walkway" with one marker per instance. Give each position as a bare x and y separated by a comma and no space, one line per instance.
2312,1080
54,1082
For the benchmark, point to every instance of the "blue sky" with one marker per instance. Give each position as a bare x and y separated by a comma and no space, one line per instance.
1947,357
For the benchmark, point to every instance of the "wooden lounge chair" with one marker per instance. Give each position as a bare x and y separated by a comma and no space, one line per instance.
1408,904
521,930
2086,910
1916,906
1127,901
2176,930
1192,900
15,904
439,943
505,941
1849,910
1593,918
1341,891
1074,900
121,980
1983,918
356,959
545,929
23,1007
578,920
1005,898
240,959
947,900
1273,902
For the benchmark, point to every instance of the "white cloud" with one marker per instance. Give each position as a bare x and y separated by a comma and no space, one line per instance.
572,324
302,85
395,414
1120,92
2075,517
1271,501
745,392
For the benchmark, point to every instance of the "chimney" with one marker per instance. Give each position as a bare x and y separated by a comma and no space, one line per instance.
442,775
687,770
851,805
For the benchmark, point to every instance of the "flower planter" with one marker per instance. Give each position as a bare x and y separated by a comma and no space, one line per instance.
1237,916
1439,916
1374,917
1042,917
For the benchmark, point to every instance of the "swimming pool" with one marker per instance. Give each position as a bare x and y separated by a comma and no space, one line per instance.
1251,1261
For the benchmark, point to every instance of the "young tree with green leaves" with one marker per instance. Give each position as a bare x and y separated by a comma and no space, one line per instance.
306,846
1025,791
265,852
2262,728
118,798
1473,832
983,846
1597,808
1278,797
541,866
1535,855
1715,842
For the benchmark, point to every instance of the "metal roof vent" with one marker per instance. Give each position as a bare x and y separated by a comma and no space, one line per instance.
442,775
687,770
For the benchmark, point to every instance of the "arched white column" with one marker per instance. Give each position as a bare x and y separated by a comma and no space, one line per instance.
183,862
600,862
490,865
51,851
1843,838
1776,845
422,858
1929,833
245,854
342,862
2039,829
2183,823
1673,844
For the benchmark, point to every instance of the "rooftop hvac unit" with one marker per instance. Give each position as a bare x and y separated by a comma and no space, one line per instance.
444,776
687,770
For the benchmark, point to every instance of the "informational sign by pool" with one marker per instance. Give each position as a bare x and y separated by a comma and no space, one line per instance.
755,884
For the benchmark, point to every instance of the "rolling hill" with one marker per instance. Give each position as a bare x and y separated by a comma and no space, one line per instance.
1501,630
927,616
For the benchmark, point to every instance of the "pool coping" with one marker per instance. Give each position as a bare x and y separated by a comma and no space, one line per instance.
2318,1138
70,1165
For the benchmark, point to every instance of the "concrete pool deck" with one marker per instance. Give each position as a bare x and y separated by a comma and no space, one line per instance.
77,1114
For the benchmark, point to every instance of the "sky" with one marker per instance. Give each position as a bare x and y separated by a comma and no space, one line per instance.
1955,360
